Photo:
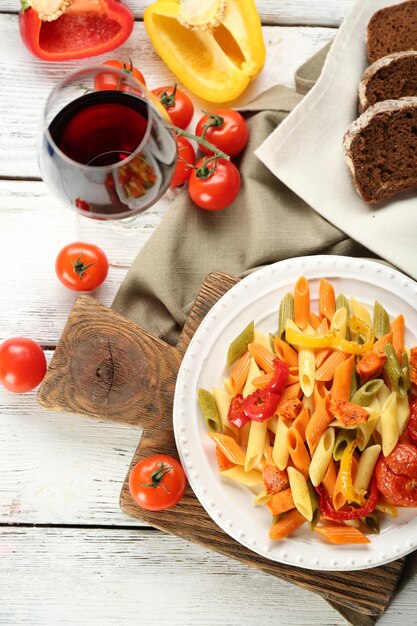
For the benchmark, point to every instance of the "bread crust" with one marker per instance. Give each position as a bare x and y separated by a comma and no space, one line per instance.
373,70
361,123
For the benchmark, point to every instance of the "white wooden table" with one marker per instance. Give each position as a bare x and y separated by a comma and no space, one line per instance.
68,555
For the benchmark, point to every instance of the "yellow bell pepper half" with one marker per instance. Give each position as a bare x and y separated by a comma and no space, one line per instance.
214,47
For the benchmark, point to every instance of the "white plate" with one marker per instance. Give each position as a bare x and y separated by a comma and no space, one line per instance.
257,298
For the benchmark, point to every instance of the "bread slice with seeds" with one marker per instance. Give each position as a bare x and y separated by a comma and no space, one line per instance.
381,149
392,29
390,78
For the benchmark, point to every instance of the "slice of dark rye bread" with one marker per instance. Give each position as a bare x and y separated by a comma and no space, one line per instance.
390,78
381,149
392,29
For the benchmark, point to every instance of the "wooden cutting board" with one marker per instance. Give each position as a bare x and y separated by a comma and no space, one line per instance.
107,367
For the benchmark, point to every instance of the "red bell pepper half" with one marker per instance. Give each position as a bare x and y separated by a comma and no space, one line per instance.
75,29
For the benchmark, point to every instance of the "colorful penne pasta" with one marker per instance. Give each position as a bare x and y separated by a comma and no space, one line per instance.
311,412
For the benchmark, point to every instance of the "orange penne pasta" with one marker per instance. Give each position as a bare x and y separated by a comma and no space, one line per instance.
380,343
285,526
260,382
329,479
284,352
320,392
281,502
317,424
327,299
322,353
397,328
263,357
342,534
290,392
229,447
239,374
298,452
342,380
294,376
222,460
300,423
302,302
314,320
331,362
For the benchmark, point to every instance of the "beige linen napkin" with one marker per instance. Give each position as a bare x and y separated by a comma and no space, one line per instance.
305,152
266,223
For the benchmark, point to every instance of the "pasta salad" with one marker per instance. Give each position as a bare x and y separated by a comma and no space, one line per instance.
319,418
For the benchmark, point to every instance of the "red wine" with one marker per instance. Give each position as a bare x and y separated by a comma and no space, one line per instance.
119,154
100,128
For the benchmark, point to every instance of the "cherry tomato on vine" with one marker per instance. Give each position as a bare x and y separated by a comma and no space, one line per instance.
186,157
81,266
214,184
224,128
157,482
22,364
110,82
177,104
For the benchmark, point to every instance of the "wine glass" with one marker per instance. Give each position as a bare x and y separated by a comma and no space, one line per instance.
109,151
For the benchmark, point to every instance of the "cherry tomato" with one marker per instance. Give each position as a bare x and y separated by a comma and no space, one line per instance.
214,185
396,475
22,364
412,423
104,82
224,128
81,266
177,104
260,405
157,482
186,155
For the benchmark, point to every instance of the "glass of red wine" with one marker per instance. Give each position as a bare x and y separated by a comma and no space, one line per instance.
109,152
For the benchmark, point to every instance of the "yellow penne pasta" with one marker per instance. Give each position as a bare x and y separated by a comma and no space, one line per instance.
251,478
302,302
300,493
229,447
253,372
403,412
262,497
366,466
273,423
327,299
223,401
338,323
366,430
262,340
360,311
390,431
256,444
321,457
306,371
280,453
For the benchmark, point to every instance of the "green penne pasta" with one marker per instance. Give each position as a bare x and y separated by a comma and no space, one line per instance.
209,410
286,311
394,372
343,437
341,300
381,321
367,392
239,345
353,383
405,365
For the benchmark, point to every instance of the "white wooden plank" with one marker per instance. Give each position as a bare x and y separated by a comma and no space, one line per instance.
130,577
302,12
59,468
26,82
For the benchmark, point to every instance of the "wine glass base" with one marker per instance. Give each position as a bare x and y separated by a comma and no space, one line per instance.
121,240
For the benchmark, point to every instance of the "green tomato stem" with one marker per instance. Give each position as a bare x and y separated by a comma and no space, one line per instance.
219,153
